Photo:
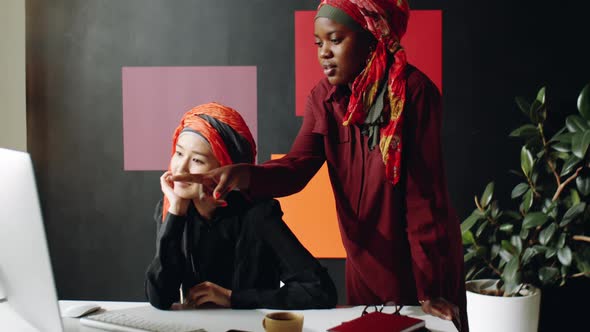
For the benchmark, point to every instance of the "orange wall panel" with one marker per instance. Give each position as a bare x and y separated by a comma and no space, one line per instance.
311,215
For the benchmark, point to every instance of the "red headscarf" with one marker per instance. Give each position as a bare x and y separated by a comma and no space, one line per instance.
226,131
386,20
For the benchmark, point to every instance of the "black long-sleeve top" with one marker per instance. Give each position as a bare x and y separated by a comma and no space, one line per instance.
245,247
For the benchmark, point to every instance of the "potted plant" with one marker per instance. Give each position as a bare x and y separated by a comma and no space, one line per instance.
543,241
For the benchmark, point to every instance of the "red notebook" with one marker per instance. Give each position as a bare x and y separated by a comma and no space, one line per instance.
378,321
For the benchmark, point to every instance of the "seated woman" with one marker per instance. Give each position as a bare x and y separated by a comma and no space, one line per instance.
234,255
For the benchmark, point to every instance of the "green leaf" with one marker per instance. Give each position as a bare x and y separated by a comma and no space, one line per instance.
535,112
511,270
561,240
557,134
505,254
561,147
524,233
487,195
581,264
565,255
470,272
467,238
506,228
549,208
584,102
478,273
495,251
574,196
527,201
468,256
469,222
559,155
546,234
492,237
517,243
534,219
541,95
563,137
583,184
513,214
529,253
481,251
572,213
481,228
550,252
542,114
523,105
569,165
534,177
506,245
526,131
580,143
510,288
516,172
563,269
540,248
526,160
479,213
496,213
576,123
520,189
547,274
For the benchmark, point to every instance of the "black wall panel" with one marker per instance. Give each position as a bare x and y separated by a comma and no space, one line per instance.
98,217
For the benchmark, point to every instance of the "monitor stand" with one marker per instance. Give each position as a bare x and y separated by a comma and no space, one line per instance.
10,318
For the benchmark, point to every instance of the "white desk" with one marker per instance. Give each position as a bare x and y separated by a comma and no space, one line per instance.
221,320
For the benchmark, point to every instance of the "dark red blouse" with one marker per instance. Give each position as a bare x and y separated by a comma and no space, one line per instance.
403,242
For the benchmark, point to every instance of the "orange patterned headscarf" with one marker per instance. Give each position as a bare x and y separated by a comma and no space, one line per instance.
226,131
383,77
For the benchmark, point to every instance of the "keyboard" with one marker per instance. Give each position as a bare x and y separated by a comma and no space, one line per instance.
128,322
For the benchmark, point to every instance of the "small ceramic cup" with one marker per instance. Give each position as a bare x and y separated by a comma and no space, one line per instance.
283,321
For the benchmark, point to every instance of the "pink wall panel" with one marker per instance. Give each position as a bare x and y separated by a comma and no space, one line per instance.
154,99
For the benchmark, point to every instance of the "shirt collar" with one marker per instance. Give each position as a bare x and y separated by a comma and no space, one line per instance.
235,199
337,92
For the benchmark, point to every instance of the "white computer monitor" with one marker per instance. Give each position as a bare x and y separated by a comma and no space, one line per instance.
26,278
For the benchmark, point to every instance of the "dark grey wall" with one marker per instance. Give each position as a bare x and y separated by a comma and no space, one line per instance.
98,217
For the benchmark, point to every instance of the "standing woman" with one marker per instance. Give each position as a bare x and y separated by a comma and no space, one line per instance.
375,120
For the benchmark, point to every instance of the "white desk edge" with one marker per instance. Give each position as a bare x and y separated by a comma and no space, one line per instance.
314,320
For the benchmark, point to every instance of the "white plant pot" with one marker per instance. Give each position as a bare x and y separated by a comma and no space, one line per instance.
488,313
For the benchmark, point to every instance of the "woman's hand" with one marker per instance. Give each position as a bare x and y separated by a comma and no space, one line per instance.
178,206
442,308
220,181
208,292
